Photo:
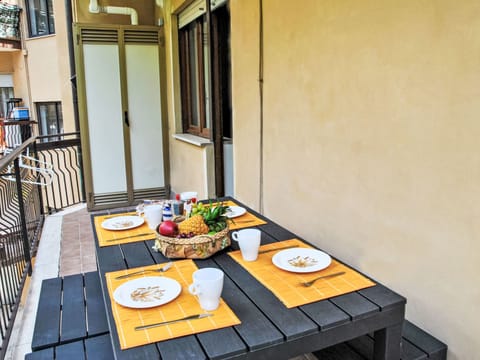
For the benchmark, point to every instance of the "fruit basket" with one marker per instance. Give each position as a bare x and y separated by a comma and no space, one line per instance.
199,236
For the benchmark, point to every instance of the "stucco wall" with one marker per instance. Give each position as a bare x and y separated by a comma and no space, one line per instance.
6,65
191,166
371,142
44,77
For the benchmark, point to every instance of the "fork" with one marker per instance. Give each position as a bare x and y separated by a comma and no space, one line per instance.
311,282
162,269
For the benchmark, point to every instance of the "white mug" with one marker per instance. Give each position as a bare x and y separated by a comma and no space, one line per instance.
153,215
249,242
207,286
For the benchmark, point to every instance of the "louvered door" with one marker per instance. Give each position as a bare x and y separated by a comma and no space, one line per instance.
119,72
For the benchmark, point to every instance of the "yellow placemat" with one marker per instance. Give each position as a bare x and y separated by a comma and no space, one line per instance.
184,305
109,237
286,285
244,221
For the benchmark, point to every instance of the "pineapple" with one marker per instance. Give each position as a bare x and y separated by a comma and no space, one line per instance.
194,225
215,217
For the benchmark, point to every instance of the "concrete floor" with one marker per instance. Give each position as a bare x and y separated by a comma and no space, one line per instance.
66,247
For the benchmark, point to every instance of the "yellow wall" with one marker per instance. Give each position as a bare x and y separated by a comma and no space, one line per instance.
44,77
191,166
371,146
6,65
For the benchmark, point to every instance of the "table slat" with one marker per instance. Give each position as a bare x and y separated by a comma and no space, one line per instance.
326,314
47,324
184,348
74,324
99,347
96,313
230,344
355,305
70,351
137,254
44,354
382,296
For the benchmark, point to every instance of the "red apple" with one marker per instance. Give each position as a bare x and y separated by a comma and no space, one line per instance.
168,228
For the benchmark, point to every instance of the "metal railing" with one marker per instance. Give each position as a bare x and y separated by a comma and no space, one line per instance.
36,178
14,133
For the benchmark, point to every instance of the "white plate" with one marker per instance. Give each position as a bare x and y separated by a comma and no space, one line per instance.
157,290
301,260
122,222
235,211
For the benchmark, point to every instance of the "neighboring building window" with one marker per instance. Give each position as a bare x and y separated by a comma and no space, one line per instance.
40,17
50,119
194,48
6,92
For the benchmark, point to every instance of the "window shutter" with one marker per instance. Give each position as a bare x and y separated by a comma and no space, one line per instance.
193,11
6,81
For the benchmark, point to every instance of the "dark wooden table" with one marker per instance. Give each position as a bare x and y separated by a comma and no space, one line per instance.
268,330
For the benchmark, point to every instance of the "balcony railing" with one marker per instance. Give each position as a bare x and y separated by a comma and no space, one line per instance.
40,176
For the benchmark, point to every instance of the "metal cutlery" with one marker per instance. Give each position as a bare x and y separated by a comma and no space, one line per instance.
282,248
191,317
162,269
131,236
119,215
243,221
311,282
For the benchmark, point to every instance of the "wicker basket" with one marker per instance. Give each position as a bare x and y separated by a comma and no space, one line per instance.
197,247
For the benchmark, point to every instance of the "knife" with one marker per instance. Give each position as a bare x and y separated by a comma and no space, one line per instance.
191,317
131,236
119,215
285,247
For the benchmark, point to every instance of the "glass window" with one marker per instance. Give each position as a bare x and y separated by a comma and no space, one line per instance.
195,73
5,94
40,16
50,119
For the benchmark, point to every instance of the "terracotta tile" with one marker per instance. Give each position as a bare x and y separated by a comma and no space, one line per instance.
70,251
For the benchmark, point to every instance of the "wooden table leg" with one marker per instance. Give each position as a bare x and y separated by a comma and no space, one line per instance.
387,343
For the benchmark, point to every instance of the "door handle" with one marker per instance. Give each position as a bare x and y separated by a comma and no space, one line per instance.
126,119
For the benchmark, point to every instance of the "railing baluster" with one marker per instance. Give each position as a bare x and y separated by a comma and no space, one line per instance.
24,199
26,245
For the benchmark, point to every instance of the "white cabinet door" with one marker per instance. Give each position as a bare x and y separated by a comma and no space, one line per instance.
145,115
105,118
121,123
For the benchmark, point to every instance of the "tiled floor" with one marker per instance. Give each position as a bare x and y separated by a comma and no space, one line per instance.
77,248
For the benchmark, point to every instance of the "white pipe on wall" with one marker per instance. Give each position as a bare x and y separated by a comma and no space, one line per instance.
160,17
94,8
119,10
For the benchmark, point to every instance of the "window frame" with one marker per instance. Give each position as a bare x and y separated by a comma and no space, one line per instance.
188,117
58,117
33,28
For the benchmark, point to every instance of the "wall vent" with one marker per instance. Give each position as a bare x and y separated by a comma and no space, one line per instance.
99,35
139,36
155,193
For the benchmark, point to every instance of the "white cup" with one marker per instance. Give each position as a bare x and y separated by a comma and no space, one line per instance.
207,286
249,242
153,215
188,195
